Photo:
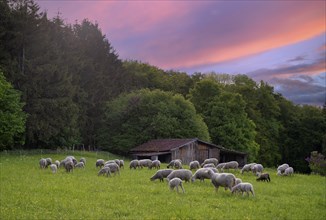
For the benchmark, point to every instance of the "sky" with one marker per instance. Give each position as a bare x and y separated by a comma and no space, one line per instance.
280,42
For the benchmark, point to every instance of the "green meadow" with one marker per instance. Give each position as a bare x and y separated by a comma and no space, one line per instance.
27,192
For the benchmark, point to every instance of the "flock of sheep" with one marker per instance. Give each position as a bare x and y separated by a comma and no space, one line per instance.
175,174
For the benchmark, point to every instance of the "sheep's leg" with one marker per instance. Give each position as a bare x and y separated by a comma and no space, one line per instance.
216,189
177,188
183,190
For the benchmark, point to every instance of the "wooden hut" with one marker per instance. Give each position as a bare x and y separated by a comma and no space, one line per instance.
187,150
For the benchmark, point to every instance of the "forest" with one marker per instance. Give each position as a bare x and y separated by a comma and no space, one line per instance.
64,85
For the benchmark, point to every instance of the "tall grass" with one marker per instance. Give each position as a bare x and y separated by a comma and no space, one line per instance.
27,192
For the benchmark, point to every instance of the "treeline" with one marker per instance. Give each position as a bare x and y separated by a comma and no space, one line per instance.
76,91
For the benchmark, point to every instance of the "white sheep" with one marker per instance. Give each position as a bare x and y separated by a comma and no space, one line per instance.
54,168
247,167
156,164
145,163
134,164
220,166
243,187
175,183
117,162
282,168
230,165
43,163
83,160
288,171
237,181
210,160
194,165
161,174
114,168
209,165
183,174
122,164
201,174
100,163
80,165
177,164
48,161
257,168
104,170
226,180
69,166
57,163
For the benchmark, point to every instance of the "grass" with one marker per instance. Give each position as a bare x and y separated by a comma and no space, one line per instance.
27,192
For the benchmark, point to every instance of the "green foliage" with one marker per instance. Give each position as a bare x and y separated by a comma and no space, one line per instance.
12,117
137,117
30,193
317,163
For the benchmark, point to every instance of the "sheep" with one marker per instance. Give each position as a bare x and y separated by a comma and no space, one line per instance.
288,171
282,168
54,168
209,165
48,161
201,174
145,163
230,165
69,166
114,168
247,167
99,163
226,180
183,174
263,177
57,163
134,164
243,187
104,170
194,165
64,161
122,164
257,168
175,183
210,160
43,163
83,160
237,181
80,165
110,161
73,159
156,164
175,164
220,166
161,174
117,161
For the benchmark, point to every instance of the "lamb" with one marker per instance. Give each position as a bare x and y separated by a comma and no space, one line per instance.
54,168
177,163
156,164
100,163
69,166
145,163
104,170
210,160
243,187
183,174
83,160
263,177
134,164
257,168
57,163
237,181
230,165
43,163
194,165
48,161
80,165
282,168
201,174
161,174
226,180
247,167
122,164
288,171
175,183
209,165
114,168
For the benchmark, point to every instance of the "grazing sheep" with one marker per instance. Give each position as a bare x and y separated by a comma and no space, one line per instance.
243,187
100,163
48,161
73,159
175,183
83,160
173,164
161,174
57,163
214,169
230,165
257,168
43,163
209,165
201,174
288,171
117,162
122,164
247,167
64,161
226,180
80,165
54,168
282,168
104,170
156,164
182,174
134,164
263,177
69,166
220,166
110,161
145,163
210,160
194,165
114,168
237,181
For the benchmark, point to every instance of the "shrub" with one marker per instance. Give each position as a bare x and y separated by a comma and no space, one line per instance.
317,163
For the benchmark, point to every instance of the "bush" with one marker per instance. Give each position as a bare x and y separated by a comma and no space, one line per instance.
317,163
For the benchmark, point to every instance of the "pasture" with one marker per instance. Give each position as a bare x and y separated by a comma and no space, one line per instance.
27,192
